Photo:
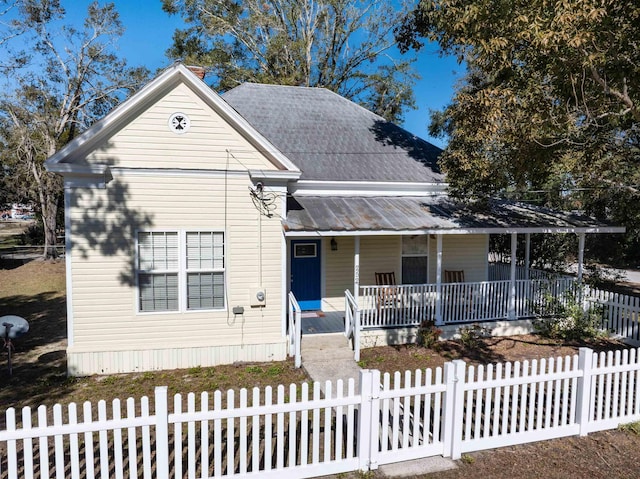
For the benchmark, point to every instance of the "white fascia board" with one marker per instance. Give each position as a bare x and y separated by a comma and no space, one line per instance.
67,168
366,188
173,75
274,175
549,230
84,176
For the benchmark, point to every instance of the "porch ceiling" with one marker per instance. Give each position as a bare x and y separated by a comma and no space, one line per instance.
432,214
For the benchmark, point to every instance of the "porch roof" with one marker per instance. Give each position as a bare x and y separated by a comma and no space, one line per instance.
360,215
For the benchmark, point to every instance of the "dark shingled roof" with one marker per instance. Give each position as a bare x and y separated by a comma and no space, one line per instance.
331,138
436,213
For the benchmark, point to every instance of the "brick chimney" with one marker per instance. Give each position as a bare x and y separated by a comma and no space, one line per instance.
200,72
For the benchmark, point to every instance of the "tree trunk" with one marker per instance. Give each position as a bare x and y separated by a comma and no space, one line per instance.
47,192
49,217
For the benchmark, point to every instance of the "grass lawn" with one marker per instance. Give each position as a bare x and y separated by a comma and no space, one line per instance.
36,291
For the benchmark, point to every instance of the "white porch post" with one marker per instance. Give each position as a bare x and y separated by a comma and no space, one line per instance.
580,256
527,254
439,321
512,288
356,269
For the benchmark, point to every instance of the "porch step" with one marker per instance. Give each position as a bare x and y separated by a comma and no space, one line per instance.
328,357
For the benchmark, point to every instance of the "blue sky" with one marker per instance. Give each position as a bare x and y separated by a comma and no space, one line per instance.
149,32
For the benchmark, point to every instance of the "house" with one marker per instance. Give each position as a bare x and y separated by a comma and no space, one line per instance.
190,217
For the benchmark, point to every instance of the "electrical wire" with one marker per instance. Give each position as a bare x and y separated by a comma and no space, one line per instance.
265,202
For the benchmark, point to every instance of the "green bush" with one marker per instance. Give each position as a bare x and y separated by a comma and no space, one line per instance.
470,335
33,235
428,334
570,320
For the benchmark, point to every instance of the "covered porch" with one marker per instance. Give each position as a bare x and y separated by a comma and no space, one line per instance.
435,252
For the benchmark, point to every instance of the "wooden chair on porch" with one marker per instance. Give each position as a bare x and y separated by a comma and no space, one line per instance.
388,294
462,299
453,276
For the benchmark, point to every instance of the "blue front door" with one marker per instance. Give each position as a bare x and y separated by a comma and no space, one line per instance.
305,273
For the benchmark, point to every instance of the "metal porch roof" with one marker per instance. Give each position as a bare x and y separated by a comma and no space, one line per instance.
337,215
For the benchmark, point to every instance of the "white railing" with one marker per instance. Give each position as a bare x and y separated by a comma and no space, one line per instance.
396,306
352,326
302,432
409,305
295,330
502,272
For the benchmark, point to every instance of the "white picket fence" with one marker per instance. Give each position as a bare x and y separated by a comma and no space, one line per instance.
620,312
302,432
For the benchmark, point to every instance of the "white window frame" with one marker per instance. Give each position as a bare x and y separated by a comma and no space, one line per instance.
187,271
152,272
182,271
414,255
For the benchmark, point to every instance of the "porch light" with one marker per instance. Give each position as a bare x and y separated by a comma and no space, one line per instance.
334,244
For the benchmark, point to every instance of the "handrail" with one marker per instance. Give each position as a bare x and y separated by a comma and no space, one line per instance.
295,330
352,325
409,305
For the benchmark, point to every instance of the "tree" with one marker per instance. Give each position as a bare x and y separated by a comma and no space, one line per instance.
551,103
17,18
72,79
342,45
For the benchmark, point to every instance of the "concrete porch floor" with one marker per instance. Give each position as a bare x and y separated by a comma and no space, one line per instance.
322,322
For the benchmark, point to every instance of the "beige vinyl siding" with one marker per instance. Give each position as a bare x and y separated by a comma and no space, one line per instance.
147,142
379,254
105,223
338,272
461,252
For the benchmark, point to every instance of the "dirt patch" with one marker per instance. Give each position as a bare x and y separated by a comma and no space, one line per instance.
489,350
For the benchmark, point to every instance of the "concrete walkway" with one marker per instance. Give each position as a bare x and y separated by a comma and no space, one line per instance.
328,357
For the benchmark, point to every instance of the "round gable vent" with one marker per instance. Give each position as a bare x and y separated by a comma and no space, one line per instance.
179,123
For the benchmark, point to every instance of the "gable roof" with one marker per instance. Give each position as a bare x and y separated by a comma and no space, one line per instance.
63,160
331,138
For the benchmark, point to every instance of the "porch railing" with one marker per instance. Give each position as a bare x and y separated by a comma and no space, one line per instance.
295,330
352,324
409,305
502,272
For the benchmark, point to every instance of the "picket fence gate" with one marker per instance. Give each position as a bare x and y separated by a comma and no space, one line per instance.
304,433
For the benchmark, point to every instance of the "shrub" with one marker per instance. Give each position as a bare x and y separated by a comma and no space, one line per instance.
428,334
33,234
470,335
571,321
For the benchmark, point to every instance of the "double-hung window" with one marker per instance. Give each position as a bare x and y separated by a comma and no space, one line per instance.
158,270
180,271
205,270
415,250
